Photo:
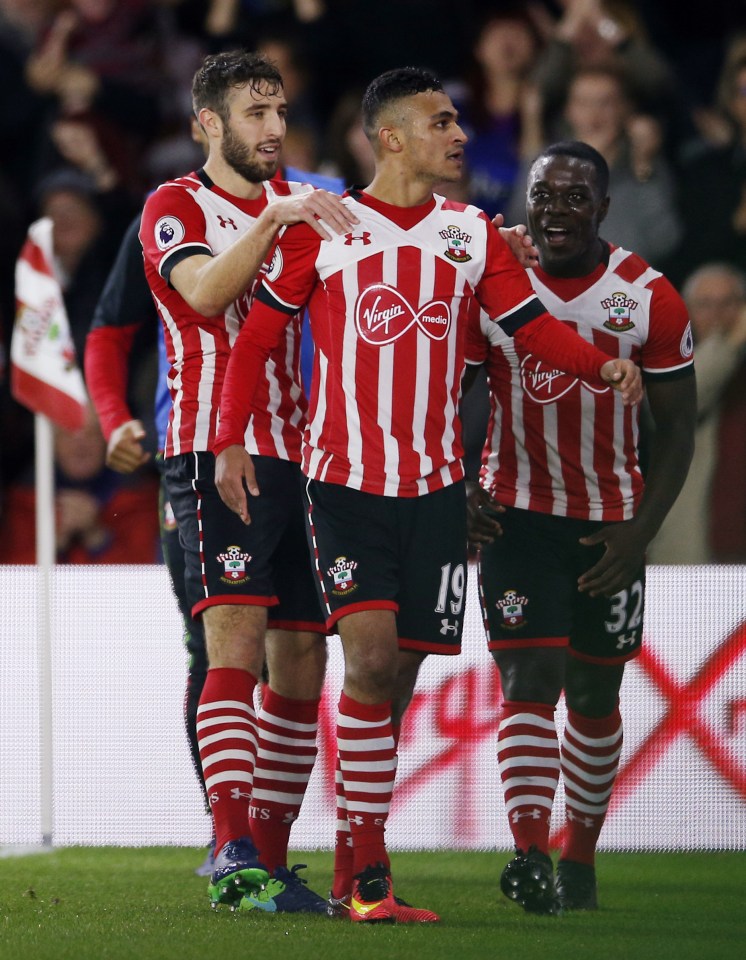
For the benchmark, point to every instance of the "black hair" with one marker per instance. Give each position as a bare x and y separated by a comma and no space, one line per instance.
579,150
220,72
391,86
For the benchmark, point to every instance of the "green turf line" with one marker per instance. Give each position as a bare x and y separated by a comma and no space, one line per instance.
146,904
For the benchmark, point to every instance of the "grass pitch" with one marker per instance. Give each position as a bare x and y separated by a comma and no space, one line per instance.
147,904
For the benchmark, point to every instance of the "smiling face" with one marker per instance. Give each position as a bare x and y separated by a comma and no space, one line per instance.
565,206
253,131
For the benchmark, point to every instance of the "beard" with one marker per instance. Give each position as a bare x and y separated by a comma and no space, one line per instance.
238,156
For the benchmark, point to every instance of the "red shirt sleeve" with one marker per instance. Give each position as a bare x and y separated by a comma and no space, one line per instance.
106,361
506,294
669,346
552,341
261,332
477,347
172,222
285,289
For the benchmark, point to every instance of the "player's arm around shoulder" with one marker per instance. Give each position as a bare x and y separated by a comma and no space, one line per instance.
210,284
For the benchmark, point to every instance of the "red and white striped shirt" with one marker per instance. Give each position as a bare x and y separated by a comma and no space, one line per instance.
192,215
389,304
559,445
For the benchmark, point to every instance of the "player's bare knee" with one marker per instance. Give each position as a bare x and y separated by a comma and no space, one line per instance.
234,635
591,689
370,675
533,675
297,663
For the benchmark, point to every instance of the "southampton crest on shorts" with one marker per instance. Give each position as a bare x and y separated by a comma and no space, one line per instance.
234,565
620,308
341,573
511,607
457,241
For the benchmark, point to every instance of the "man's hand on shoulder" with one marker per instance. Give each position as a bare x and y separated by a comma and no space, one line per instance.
234,475
625,377
124,451
312,208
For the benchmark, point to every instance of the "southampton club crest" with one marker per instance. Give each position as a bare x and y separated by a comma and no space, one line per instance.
234,565
511,606
457,241
620,308
341,572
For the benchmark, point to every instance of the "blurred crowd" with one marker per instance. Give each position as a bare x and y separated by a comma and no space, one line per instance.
97,106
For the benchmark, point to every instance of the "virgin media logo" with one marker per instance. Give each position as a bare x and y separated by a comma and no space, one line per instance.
546,384
382,315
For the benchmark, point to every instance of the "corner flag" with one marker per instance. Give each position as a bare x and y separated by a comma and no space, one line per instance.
44,374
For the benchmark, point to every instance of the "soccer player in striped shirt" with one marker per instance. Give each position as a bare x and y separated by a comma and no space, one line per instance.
205,238
389,302
561,570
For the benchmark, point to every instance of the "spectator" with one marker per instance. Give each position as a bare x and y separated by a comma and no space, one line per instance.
712,186
492,109
98,60
596,33
101,517
88,227
22,23
716,297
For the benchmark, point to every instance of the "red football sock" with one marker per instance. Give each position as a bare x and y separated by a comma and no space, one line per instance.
528,758
343,872
590,760
285,757
226,731
367,758
342,883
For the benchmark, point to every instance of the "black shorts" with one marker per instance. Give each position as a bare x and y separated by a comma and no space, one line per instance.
528,588
265,563
406,554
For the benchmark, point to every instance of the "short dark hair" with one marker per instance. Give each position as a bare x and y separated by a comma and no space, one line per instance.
581,151
220,72
391,86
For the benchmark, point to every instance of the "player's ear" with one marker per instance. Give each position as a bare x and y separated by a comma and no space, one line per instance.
390,139
210,122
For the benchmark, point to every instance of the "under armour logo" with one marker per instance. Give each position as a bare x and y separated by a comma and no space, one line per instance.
364,236
624,639
448,627
290,816
585,821
535,814
236,794
225,221
358,821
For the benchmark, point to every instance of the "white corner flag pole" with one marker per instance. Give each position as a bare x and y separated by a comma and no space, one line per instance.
45,559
